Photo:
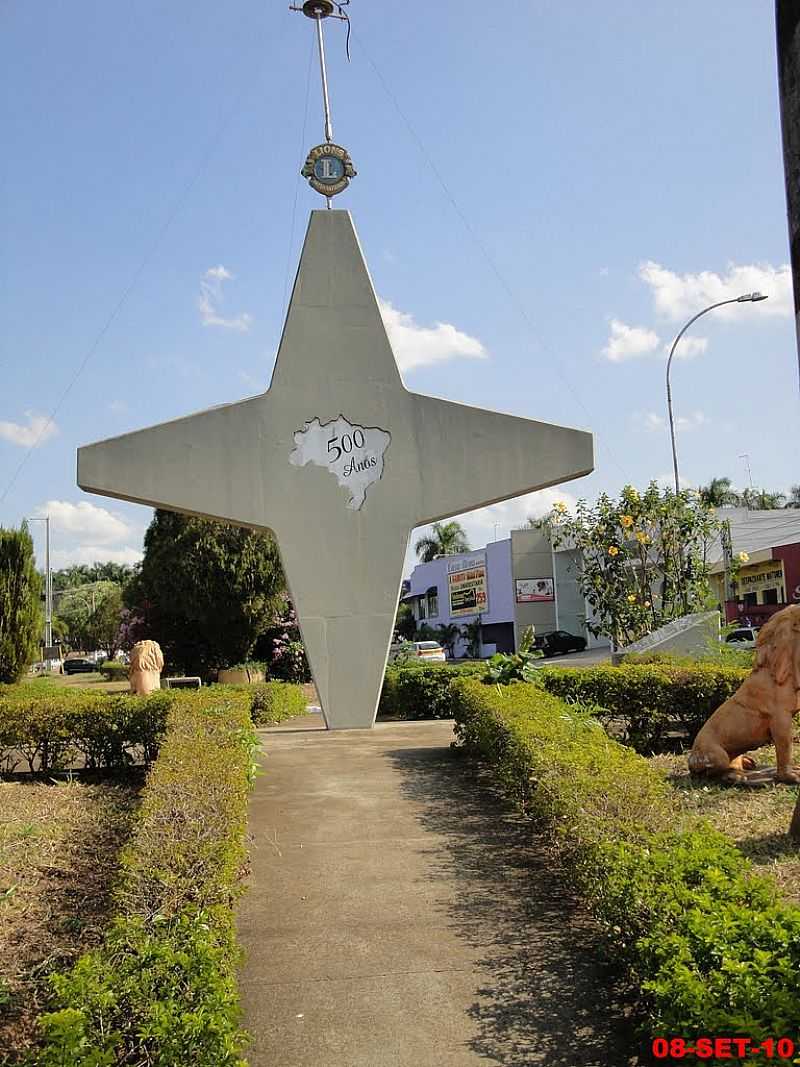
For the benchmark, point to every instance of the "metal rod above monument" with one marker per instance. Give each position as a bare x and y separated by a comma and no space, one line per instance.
328,167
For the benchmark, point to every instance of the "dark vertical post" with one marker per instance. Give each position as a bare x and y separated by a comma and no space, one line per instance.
787,22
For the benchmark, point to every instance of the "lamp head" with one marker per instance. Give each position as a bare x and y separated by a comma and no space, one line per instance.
752,297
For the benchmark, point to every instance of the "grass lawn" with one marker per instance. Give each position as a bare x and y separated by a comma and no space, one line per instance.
757,820
58,850
93,680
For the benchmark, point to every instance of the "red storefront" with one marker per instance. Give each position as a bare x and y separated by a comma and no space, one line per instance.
789,557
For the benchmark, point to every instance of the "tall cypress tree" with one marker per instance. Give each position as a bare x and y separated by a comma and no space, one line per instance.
20,604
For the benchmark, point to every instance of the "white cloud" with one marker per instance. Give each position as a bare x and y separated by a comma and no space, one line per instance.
629,342
418,346
650,420
211,296
679,296
38,430
482,525
688,347
84,521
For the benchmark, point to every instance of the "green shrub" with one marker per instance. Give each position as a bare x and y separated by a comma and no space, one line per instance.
421,691
162,987
712,948
52,728
276,701
114,671
645,701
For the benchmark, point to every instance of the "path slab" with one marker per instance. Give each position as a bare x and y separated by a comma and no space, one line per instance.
399,914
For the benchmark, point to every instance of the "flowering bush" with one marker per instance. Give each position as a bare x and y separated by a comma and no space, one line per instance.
645,557
288,655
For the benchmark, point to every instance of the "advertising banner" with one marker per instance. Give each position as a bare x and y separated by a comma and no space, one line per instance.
466,584
534,590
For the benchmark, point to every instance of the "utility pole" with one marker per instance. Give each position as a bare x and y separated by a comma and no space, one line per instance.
48,582
787,25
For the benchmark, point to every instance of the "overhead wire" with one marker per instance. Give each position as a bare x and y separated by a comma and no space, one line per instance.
480,244
153,247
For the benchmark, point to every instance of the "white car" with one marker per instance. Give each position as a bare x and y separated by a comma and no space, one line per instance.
430,651
742,637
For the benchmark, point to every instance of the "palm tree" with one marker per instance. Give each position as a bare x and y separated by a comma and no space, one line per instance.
793,500
719,493
762,499
446,539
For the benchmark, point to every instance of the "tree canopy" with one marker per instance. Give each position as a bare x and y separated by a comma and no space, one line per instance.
644,557
205,590
446,539
20,604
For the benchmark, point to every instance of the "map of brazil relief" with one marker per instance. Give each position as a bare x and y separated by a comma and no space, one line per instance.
354,454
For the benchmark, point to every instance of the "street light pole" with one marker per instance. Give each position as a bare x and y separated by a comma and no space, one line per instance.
48,582
744,299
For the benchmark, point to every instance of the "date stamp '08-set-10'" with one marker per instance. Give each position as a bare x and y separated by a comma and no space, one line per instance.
725,1048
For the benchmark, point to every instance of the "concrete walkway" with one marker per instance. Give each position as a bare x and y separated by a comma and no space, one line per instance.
399,916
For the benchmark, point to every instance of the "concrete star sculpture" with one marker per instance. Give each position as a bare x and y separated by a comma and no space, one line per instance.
340,461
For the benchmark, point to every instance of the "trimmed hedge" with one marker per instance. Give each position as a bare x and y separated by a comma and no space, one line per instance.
114,671
641,703
52,728
276,701
646,701
162,988
417,691
712,948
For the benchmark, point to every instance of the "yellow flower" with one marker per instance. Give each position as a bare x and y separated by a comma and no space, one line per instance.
642,537
627,521
631,598
560,507
743,557
647,603
613,551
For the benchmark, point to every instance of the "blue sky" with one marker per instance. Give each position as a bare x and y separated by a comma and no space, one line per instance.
546,192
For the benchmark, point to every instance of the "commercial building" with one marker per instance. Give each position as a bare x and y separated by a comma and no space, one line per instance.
505,587
770,579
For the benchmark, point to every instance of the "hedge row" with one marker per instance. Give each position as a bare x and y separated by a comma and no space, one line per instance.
51,728
640,703
711,946
417,691
162,988
646,701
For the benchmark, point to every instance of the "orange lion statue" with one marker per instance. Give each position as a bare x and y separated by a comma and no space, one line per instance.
760,712
147,662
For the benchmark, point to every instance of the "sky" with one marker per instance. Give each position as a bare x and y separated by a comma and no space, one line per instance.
546,192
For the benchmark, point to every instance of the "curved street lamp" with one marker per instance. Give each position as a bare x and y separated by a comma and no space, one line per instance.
746,298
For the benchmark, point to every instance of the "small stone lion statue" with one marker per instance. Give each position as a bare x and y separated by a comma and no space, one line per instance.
760,712
147,662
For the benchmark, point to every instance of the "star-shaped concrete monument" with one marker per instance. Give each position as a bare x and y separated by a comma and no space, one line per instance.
340,461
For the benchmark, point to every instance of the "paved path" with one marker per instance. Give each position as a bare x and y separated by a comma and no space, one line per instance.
398,916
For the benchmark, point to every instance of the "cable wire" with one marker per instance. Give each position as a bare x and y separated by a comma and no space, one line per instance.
510,292
161,233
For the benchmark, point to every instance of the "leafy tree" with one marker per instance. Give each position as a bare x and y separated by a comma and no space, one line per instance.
793,498
447,635
405,624
206,590
762,499
719,493
20,604
644,557
471,632
447,539
84,574
91,614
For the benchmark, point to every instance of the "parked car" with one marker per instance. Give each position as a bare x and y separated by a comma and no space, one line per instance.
742,637
557,642
79,666
430,651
